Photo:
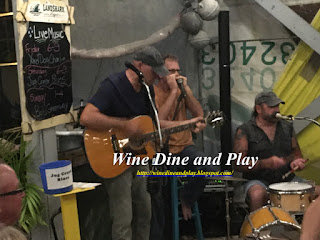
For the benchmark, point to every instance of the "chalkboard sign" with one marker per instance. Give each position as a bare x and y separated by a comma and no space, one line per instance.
47,70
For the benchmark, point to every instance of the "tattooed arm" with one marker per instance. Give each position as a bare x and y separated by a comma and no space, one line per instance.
296,152
296,160
240,145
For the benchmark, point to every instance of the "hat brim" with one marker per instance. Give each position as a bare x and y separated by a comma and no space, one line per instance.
162,71
274,102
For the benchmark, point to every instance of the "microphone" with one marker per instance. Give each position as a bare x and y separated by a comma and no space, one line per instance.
180,84
278,115
133,68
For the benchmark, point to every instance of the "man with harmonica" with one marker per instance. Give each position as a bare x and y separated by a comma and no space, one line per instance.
174,99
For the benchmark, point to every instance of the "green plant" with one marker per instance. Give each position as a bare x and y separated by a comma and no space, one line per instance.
18,157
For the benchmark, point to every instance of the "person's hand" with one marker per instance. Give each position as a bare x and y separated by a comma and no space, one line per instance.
132,130
172,82
298,164
184,80
276,162
200,124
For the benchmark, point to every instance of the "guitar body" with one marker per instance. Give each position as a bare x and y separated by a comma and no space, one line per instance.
101,146
100,149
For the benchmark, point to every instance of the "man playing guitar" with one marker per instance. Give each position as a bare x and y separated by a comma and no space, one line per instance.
121,97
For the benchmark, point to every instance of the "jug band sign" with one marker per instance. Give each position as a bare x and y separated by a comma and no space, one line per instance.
46,70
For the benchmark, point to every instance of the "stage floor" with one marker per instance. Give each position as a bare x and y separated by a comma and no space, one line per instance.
218,238
224,238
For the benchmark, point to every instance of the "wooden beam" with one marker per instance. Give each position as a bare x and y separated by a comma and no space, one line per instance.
293,22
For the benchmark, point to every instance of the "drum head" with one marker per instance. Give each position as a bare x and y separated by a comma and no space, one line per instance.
290,186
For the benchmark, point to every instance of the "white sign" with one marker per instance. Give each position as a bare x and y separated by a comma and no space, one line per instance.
58,178
47,12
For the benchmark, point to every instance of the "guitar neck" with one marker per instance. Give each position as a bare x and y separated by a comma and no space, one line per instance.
164,132
168,131
213,119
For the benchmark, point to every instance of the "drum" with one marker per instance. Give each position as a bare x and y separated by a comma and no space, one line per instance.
294,197
273,219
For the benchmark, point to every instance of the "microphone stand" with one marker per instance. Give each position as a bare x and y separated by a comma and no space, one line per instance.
155,112
141,77
308,119
291,118
153,184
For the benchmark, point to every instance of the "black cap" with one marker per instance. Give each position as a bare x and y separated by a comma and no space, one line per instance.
151,56
269,98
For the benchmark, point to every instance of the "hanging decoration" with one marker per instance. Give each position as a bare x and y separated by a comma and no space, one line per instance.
192,21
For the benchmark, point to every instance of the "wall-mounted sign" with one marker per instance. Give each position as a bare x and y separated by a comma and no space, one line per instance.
46,70
56,12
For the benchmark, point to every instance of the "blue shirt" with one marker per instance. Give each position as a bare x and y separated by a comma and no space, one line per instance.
116,97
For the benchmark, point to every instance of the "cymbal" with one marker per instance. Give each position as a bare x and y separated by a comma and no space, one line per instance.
228,178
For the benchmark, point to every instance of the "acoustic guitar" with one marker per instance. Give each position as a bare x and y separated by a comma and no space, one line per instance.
101,146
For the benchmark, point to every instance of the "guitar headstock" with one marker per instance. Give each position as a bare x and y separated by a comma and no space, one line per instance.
215,118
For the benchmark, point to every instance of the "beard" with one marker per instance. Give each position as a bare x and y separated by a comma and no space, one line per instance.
271,117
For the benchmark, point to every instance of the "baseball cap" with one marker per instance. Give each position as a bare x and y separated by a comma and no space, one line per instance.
151,56
269,98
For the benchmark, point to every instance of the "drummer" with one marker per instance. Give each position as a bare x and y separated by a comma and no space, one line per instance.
273,141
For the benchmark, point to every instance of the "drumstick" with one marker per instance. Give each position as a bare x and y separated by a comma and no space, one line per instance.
284,176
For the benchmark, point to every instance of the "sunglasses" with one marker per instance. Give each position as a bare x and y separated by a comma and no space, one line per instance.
172,71
19,190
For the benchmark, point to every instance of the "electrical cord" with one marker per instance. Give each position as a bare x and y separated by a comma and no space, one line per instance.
52,223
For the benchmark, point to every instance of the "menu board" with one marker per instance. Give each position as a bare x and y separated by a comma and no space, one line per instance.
46,70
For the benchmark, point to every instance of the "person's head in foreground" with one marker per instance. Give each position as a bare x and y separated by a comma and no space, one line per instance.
10,196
